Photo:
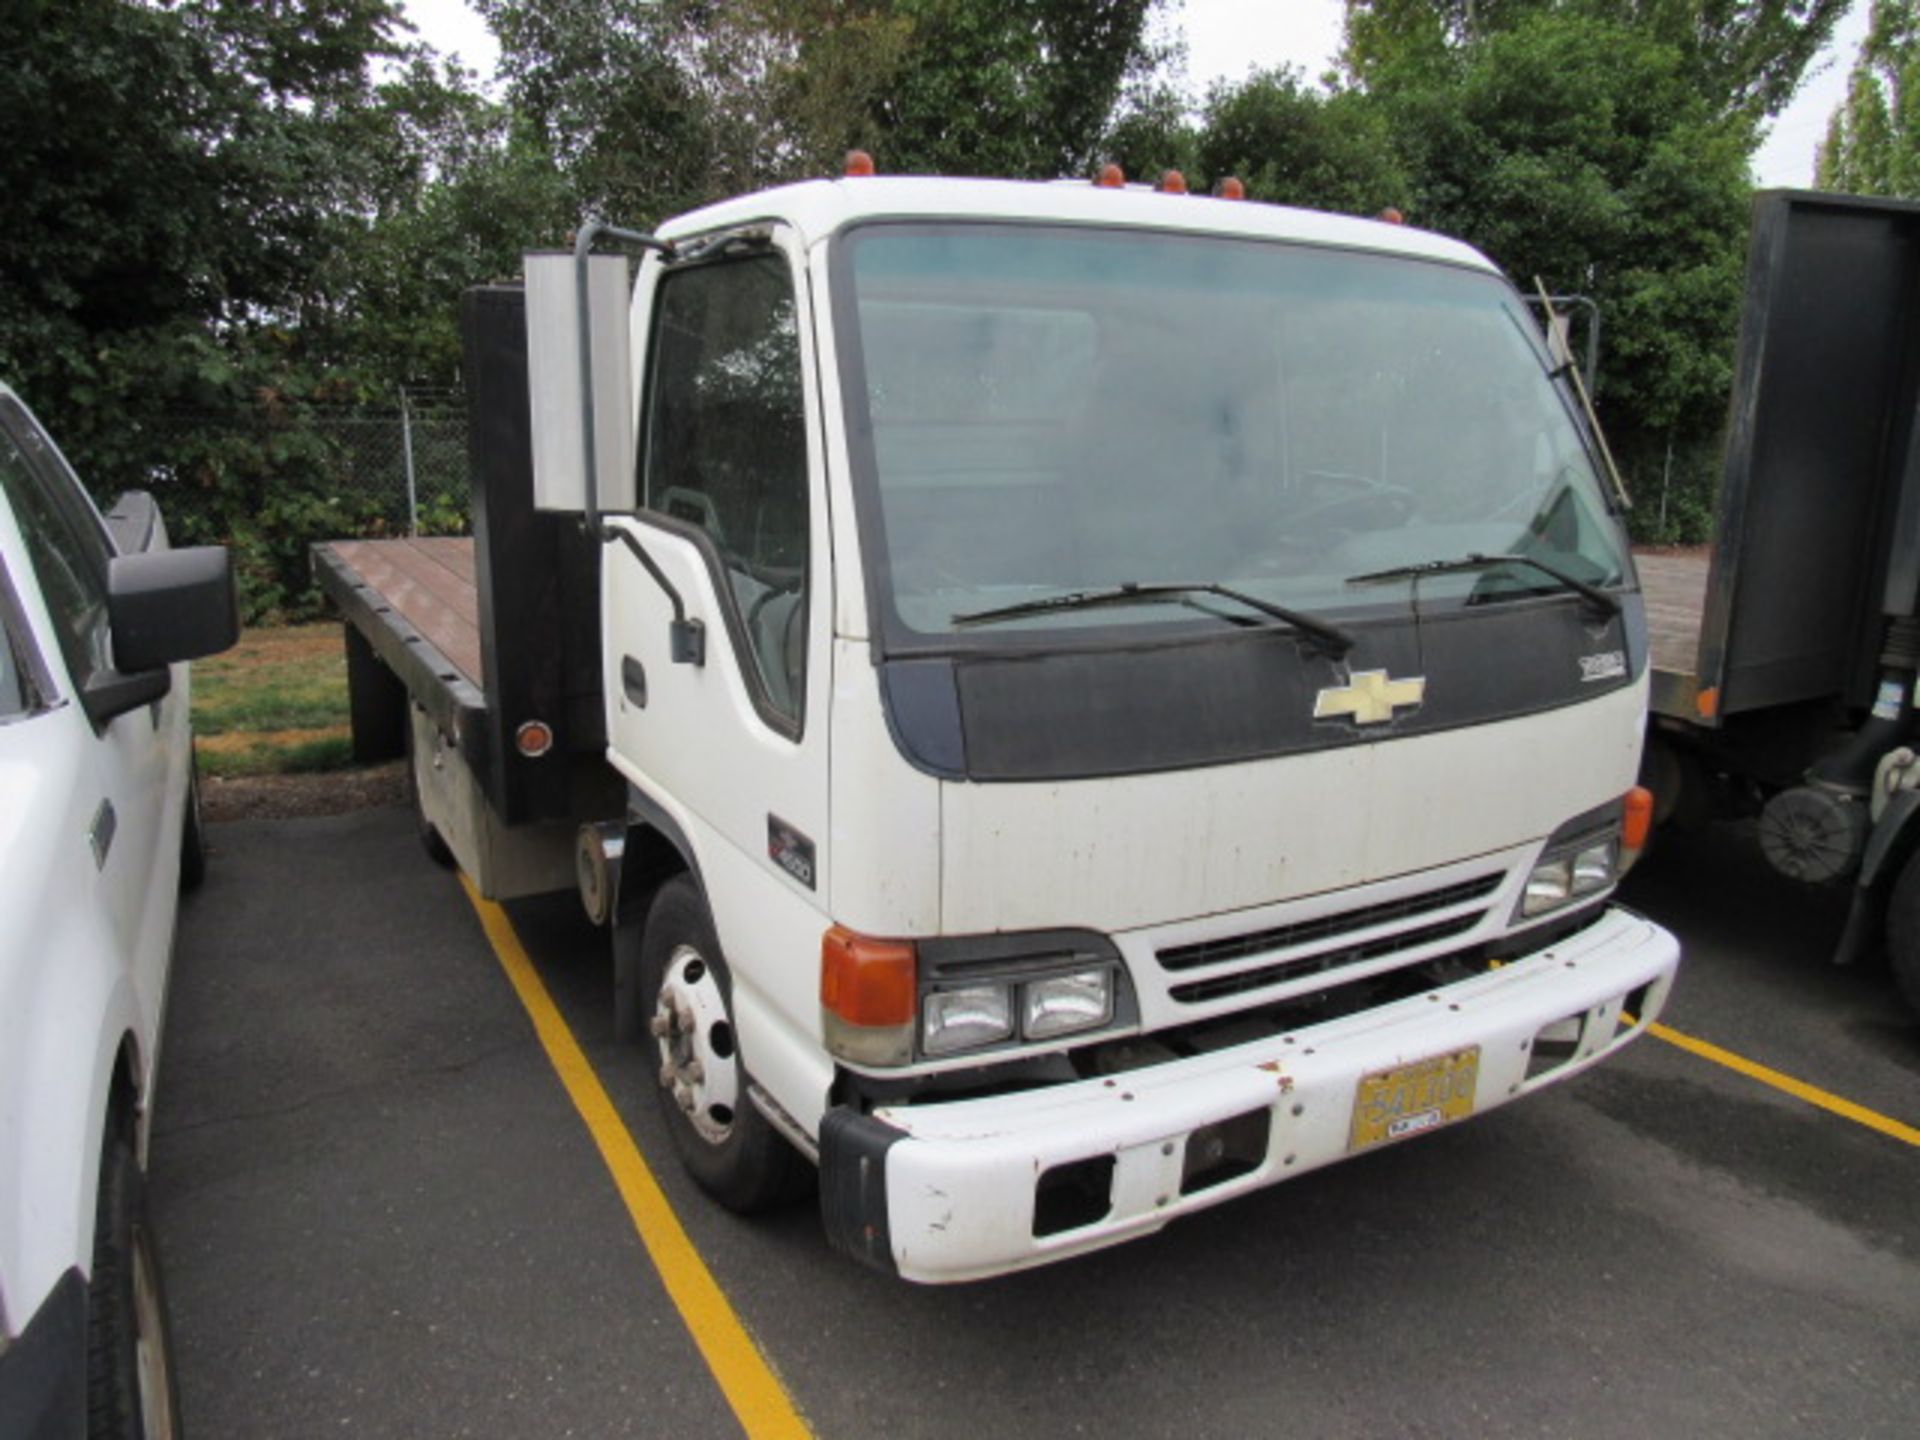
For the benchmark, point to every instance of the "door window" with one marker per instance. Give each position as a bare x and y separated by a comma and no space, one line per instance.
725,451
64,543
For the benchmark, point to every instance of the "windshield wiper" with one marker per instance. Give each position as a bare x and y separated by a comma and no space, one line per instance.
1593,593
1330,637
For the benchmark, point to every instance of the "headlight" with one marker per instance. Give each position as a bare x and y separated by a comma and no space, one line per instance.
1595,867
1581,858
962,1019
1064,1004
886,1003
1549,886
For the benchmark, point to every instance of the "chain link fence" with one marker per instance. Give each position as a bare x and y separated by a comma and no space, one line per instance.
392,471
270,480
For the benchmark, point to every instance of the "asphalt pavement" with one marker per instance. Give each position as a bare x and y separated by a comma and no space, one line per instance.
381,1214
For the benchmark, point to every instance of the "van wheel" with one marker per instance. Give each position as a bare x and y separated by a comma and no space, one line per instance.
193,836
131,1391
724,1141
1903,931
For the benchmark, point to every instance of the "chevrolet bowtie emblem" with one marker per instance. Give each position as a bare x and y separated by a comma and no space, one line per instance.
1369,699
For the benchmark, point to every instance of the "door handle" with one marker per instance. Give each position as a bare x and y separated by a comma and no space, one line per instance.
633,680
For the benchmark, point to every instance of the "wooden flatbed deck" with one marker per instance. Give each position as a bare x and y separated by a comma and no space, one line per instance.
1675,587
1676,592
429,584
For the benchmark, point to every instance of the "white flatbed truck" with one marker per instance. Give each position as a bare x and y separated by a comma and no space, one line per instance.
1074,703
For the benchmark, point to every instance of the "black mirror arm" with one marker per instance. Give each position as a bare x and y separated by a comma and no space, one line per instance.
112,693
686,639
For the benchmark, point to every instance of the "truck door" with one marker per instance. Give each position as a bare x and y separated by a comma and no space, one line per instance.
122,798
732,510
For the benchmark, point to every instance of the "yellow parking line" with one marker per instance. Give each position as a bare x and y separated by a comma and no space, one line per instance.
759,1400
1799,1089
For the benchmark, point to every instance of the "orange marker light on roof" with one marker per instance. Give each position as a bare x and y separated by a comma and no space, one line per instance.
1111,177
1231,189
1172,182
1393,216
859,162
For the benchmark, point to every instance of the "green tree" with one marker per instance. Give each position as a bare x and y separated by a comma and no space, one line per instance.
194,192
1586,152
1873,140
1296,146
993,89
652,106
1747,56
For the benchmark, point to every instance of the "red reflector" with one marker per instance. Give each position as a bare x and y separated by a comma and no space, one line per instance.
866,981
533,739
859,162
1111,177
1172,182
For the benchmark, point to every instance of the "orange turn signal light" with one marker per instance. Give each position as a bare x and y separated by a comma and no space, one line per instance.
1636,819
866,981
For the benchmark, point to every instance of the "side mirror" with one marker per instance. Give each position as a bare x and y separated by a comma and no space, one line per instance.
169,605
567,372
162,606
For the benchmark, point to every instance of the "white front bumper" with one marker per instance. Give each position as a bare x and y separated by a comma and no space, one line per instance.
960,1178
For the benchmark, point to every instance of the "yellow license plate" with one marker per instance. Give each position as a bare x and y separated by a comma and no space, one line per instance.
1410,1099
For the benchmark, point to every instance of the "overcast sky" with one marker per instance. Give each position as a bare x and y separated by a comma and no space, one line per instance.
1226,38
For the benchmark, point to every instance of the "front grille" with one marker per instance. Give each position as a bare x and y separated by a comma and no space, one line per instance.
1329,927
1325,961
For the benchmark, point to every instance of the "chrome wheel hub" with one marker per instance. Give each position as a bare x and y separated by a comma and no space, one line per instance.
699,1063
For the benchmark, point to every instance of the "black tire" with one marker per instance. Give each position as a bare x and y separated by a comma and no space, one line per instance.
736,1157
431,840
193,835
131,1389
1903,931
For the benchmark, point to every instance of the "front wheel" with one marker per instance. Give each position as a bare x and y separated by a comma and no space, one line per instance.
725,1143
193,835
1903,931
131,1392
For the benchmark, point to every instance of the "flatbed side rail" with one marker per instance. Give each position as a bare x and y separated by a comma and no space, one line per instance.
455,704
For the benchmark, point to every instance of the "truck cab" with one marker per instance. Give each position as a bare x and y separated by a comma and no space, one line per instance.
1123,697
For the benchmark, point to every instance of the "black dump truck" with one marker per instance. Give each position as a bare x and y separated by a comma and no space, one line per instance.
1785,661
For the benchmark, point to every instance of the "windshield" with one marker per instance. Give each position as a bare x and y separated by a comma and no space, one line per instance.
1059,410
